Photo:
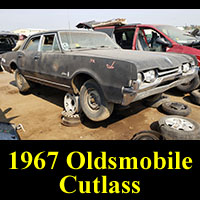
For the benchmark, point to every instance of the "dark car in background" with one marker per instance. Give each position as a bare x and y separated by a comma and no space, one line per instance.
10,42
7,41
94,71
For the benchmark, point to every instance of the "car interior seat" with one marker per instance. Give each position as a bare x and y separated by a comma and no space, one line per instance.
141,44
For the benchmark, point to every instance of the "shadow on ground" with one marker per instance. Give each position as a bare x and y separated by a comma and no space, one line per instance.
3,117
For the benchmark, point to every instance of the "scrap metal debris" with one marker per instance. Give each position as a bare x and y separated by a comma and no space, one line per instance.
8,131
94,24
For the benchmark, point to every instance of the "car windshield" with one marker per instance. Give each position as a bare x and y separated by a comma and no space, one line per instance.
85,40
176,34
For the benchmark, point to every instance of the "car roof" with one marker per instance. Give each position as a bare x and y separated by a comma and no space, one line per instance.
66,30
131,26
6,33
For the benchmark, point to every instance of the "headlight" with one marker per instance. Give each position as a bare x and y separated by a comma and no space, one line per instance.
186,67
149,76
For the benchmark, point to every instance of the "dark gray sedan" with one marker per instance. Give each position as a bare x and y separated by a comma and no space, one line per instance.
94,71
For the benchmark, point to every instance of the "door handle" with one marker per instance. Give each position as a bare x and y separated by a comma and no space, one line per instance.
36,57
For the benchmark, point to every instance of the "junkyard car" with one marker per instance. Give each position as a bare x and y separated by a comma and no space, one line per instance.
95,71
9,42
149,37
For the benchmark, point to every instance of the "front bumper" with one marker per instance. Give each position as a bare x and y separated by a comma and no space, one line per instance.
160,85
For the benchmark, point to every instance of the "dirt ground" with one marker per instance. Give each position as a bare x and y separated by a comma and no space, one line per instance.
39,112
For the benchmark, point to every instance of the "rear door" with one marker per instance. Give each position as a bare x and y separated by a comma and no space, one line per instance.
52,62
124,37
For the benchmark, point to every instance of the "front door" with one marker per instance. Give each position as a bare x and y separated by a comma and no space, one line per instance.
146,40
27,58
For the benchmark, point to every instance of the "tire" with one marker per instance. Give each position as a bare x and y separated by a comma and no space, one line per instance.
176,108
148,135
155,101
195,94
21,82
175,127
93,102
189,87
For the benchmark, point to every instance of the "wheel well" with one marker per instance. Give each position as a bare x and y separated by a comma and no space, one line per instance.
13,66
78,81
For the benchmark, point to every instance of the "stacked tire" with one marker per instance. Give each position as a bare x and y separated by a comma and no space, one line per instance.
174,127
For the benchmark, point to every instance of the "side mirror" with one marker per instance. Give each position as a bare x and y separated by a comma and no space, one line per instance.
163,42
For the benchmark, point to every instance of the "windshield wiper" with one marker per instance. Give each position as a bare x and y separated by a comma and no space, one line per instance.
79,47
106,46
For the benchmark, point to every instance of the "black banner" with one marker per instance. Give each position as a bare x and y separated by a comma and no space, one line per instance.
99,169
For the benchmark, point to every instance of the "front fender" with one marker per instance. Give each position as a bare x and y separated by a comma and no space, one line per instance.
110,74
7,60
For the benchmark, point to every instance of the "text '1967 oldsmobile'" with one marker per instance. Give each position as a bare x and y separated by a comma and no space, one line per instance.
95,71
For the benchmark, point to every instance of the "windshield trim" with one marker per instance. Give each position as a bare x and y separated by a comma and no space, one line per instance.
81,48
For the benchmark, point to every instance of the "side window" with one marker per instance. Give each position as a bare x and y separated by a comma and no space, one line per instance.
33,44
150,37
49,43
124,38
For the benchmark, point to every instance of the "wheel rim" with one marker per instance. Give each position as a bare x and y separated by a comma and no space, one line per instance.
71,104
93,100
179,124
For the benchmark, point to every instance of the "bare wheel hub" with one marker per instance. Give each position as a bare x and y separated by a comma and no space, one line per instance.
71,104
93,100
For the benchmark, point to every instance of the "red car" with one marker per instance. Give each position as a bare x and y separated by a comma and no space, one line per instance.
144,37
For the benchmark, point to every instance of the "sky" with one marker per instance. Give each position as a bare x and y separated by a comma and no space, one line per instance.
12,19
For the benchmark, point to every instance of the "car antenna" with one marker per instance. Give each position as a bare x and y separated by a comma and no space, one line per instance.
70,38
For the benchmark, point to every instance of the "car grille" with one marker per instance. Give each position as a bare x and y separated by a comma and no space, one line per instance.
162,73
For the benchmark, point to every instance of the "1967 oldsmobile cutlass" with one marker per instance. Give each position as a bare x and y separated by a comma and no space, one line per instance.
95,71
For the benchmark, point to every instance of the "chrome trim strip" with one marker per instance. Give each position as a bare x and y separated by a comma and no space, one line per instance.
43,80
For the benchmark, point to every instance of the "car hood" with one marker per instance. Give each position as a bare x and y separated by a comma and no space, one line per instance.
190,50
143,60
